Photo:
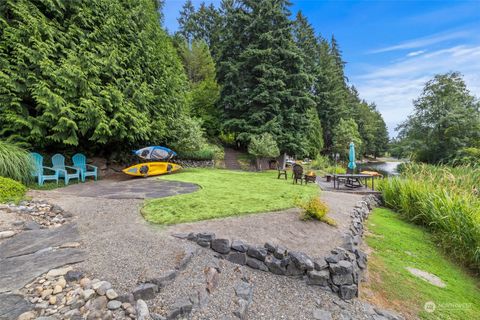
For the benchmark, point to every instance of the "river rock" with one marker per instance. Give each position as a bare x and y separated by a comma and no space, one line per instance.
205,236
301,260
342,279
180,307
58,272
111,294
221,245
239,245
237,257
6,234
89,293
293,270
145,291
114,305
342,267
57,289
73,275
319,278
126,298
257,252
280,252
164,278
320,264
62,282
99,303
256,264
102,287
348,292
270,247
275,265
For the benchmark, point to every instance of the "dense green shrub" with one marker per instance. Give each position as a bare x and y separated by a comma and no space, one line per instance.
206,152
263,146
187,135
335,170
100,75
320,162
11,190
467,156
15,163
445,200
345,132
227,139
445,122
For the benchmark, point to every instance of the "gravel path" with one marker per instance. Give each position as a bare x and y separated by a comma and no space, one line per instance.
129,188
274,297
124,249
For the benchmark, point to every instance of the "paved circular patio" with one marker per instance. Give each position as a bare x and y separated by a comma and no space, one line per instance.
134,188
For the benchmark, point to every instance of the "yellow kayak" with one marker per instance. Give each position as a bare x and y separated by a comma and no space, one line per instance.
148,169
372,173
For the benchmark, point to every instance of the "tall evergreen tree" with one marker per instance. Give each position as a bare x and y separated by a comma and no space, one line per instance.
304,36
186,21
381,139
306,41
267,89
330,90
203,90
202,24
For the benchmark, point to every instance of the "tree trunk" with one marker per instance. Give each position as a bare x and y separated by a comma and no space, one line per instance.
258,164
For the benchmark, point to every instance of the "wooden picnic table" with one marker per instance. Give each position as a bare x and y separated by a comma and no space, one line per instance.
353,177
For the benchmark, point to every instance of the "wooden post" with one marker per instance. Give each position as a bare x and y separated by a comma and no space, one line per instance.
283,159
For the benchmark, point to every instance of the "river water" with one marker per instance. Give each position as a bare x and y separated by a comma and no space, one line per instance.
388,168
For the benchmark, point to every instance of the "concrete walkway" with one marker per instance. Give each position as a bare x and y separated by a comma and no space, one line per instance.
130,188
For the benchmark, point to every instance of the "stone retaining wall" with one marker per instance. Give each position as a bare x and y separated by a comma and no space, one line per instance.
340,272
195,163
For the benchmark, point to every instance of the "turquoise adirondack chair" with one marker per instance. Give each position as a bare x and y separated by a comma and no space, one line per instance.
39,170
80,161
58,163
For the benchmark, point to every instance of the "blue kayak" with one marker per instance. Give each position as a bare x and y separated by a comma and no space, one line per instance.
155,153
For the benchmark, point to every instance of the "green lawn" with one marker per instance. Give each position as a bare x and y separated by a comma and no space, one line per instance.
397,244
225,193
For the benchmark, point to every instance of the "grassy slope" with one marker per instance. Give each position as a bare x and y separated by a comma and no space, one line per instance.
225,193
397,244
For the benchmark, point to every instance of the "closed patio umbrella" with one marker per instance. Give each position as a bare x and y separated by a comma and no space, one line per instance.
351,157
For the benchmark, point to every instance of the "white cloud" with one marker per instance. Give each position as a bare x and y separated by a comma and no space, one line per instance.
395,86
424,41
415,53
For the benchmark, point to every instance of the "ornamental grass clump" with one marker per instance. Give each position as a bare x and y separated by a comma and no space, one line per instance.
11,190
444,200
15,163
315,209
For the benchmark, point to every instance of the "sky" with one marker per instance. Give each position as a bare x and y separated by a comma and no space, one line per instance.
392,48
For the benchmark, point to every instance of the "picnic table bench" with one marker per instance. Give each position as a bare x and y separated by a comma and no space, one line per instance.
350,180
